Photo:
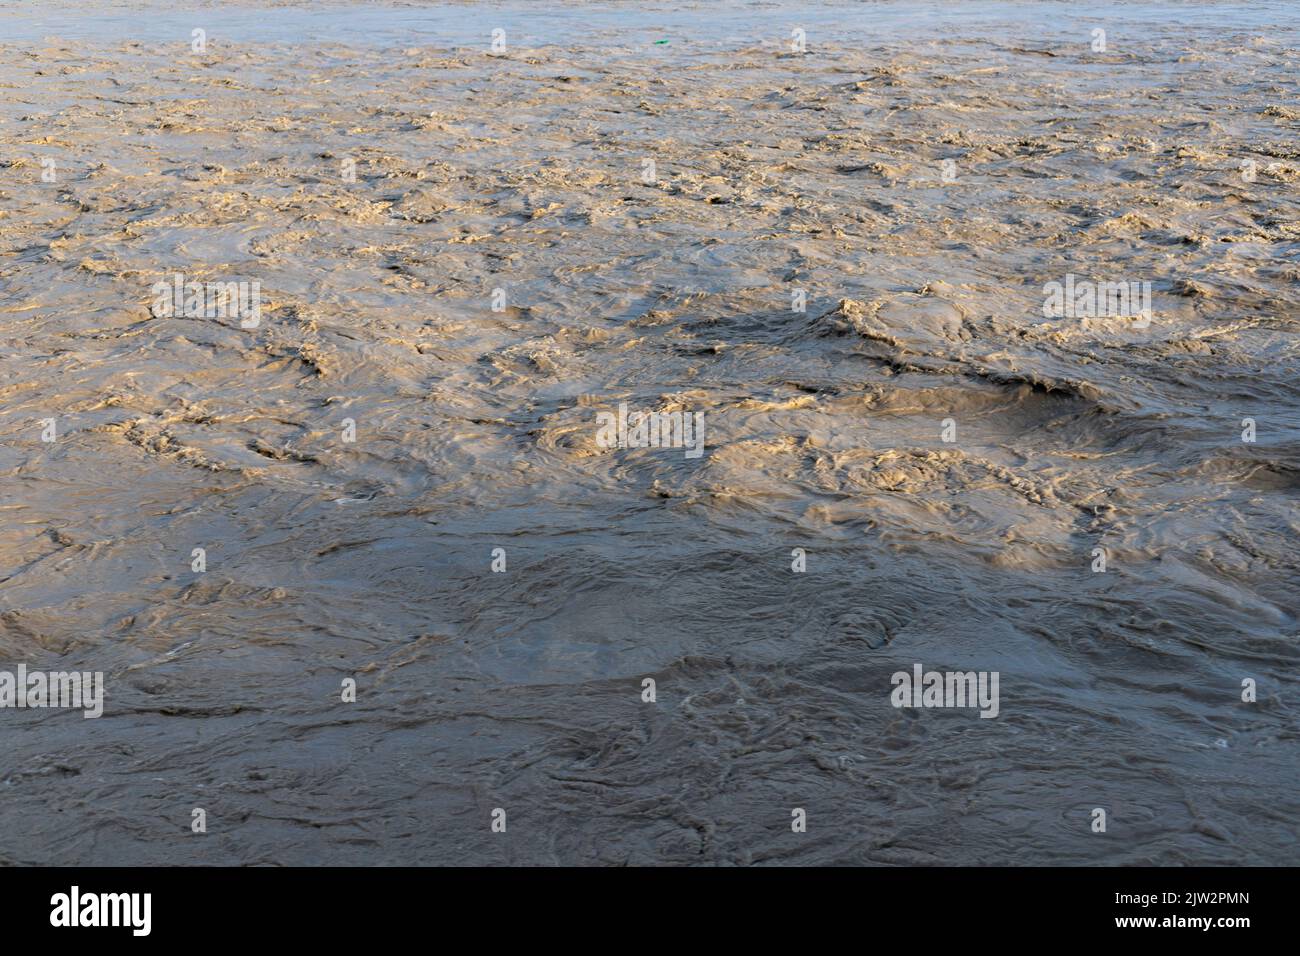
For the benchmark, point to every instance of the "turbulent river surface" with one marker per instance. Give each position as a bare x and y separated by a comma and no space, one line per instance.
829,248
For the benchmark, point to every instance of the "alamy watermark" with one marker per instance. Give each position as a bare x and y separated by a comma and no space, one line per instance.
35,689
75,909
946,689
651,430
1085,299
208,300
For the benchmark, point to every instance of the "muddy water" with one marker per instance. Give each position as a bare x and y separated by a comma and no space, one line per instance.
671,288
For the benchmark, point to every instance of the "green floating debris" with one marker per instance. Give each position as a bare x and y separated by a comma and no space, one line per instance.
660,42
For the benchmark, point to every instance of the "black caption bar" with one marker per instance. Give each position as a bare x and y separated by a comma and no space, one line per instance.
338,906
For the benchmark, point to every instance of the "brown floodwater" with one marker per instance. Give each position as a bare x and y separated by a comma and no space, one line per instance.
465,256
